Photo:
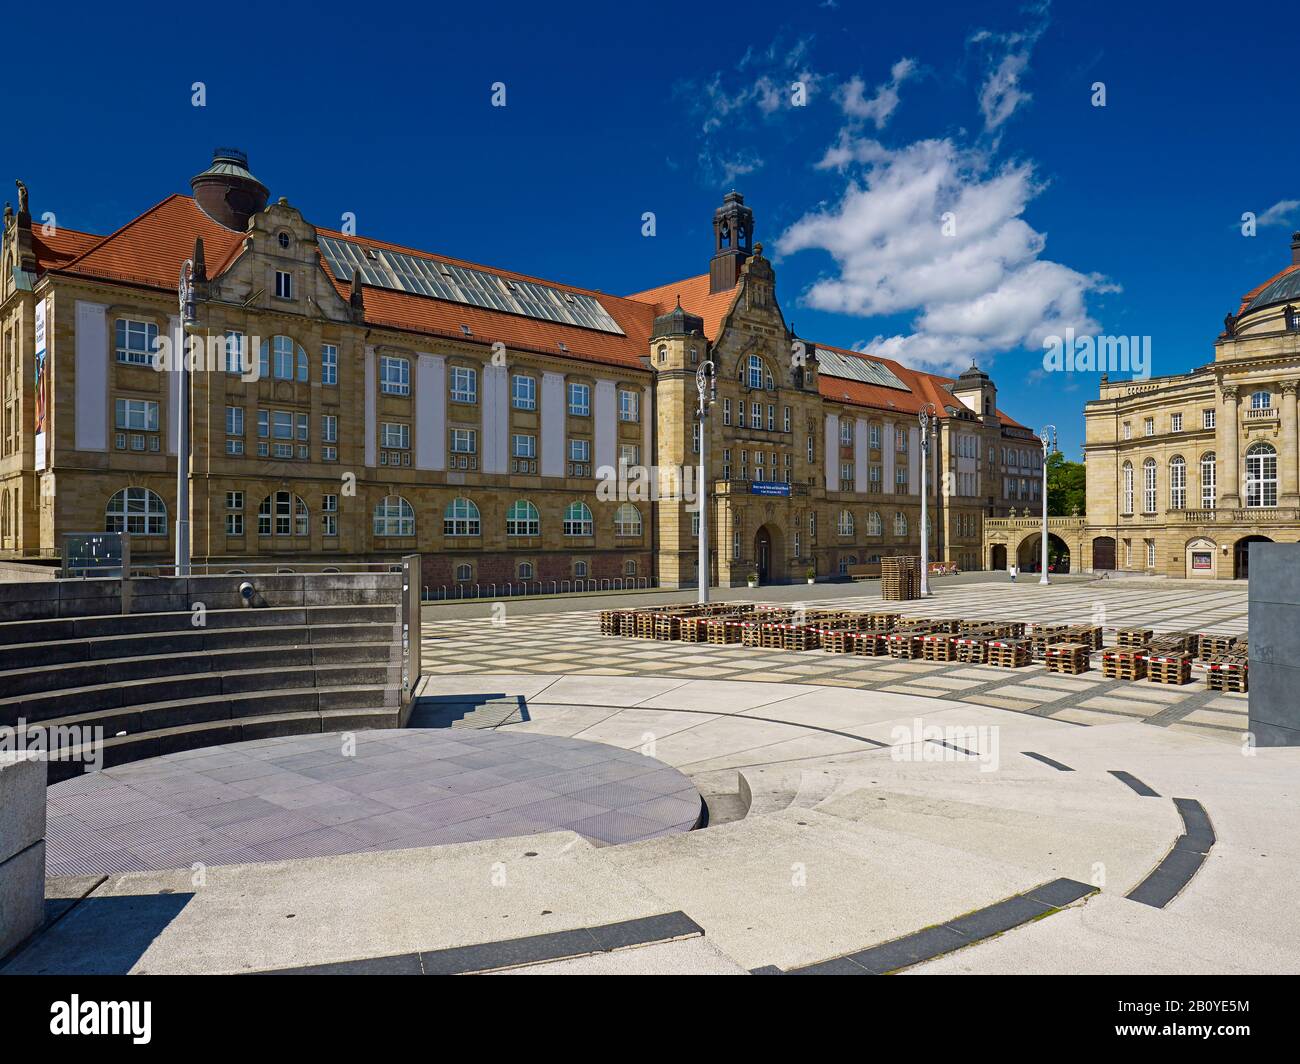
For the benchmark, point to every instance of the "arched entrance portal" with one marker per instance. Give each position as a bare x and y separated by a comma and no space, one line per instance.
1103,553
1241,556
1030,555
998,558
768,557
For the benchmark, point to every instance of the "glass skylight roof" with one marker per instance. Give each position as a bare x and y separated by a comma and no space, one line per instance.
400,272
832,364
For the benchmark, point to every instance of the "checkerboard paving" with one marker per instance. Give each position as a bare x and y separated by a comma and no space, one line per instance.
569,642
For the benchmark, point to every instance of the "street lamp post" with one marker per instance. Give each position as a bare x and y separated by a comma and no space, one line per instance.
927,416
707,386
185,299
1048,431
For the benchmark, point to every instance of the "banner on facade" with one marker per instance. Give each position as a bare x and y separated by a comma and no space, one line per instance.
41,397
768,487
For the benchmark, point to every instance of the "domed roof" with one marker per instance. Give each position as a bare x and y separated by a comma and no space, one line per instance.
1285,288
677,322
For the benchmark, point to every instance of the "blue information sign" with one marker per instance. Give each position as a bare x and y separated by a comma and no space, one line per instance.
768,487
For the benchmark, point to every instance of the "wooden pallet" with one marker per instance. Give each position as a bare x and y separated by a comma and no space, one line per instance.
869,644
882,622
772,635
1133,637
1009,653
971,649
836,640
692,629
1174,643
1124,663
720,631
905,643
667,626
1069,658
938,646
1174,669
751,633
1213,646
798,637
1228,674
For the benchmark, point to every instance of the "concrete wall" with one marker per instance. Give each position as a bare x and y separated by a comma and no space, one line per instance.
1274,627
22,848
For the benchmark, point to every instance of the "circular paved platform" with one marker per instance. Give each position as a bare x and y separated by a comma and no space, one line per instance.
305,796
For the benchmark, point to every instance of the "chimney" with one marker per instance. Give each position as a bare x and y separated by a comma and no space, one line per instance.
227,192
1295,249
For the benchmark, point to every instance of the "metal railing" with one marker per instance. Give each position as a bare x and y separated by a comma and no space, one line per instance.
517,589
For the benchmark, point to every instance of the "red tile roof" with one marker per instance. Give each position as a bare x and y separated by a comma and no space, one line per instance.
696,298
60,247
149,250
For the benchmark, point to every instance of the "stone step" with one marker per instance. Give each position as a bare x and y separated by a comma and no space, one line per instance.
122,749
194,640
63,628
41,679
37,709
175,713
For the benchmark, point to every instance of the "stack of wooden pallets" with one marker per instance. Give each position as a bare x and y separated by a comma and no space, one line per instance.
1124,663
1229,670
722,630
1210,646
1068,658
1040,635
869,644
1169,667
900,578
882,622
971,648
692,629
1008,653
938,646
905,642
1133,637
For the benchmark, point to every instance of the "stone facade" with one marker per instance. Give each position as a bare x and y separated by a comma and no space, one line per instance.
347,423
1185,471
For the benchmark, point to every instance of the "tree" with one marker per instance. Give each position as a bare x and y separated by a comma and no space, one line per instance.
1066,486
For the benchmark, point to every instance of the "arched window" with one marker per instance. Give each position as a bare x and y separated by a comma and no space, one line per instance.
900,524
1207,481
522,519
1261,400
137,511
461,518
844,526
663,353
1149,486
1128,489
627,520
577,520
525,570
1261,475
1177,483
464,572
875,526
580,570
279,358
629,567
756,374
282,514
394,517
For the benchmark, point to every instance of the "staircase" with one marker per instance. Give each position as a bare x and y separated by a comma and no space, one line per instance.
311,653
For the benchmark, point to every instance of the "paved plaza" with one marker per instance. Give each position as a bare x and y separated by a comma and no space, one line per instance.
518,638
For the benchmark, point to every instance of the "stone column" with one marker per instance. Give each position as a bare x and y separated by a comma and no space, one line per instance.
1228,471
1288,473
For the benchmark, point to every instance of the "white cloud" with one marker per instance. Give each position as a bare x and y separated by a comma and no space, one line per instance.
878,109
983,289
1006,57
1280,213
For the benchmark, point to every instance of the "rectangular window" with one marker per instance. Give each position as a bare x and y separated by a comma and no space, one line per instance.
283,284
726,411
395,435
283,348
1207,419
875,437
463,441
771,418
329,364
523,392
726,463
1151,554
580,400
464,385
235,352
756,415
629,405
812,451
523,446
785,423
281,424
329,428
136,341
394,375
1175,422
846,434
1128,430
234,524
234,421
629,454
140,415
579,450
1149,426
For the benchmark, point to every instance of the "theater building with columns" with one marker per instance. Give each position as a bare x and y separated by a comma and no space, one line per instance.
357,400
1185,472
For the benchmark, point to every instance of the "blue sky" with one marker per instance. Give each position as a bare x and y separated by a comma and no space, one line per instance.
1122,219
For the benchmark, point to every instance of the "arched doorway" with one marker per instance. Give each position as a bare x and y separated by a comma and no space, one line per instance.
1030,555
998,558
1241,556
1103,553
763,554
